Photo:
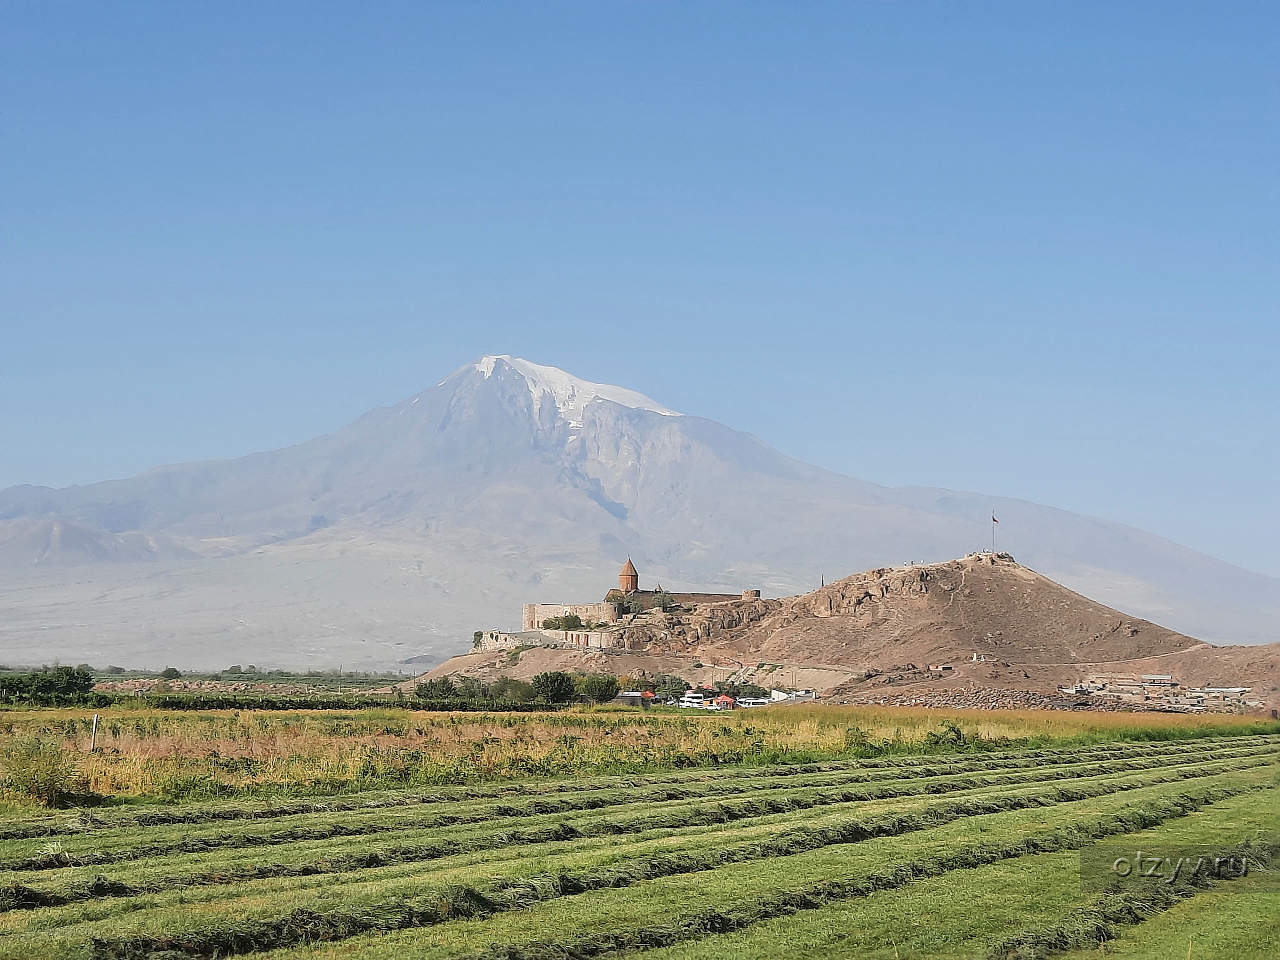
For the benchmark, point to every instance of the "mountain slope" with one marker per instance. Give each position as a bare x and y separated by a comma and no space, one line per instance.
511,481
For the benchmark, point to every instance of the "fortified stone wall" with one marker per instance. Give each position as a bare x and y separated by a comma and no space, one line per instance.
596,639
501,640
535,613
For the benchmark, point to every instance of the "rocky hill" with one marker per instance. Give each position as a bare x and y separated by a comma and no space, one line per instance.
913,633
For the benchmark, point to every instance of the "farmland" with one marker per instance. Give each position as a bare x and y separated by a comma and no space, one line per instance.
790,833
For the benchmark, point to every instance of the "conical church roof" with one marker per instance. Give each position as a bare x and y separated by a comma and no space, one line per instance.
628,569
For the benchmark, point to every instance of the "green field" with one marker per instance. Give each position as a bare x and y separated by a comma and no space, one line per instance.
965,855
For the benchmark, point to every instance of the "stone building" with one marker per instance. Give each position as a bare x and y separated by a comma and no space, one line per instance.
628,579
627,597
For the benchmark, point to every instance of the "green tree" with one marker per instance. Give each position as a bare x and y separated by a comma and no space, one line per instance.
740,690
60,683
439,688
668,686
554,687
509,688
469,688
170,673
15,686
234,668
600,688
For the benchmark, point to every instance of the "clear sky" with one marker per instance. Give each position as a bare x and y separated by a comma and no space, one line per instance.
1026,248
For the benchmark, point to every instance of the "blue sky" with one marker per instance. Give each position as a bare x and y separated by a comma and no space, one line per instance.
1024,248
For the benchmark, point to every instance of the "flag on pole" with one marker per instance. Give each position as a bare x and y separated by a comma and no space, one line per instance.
993,517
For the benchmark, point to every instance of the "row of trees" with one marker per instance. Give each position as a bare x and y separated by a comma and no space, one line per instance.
558,688
554,688
52,686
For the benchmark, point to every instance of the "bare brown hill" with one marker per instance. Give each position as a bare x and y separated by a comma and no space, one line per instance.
887,634
984,604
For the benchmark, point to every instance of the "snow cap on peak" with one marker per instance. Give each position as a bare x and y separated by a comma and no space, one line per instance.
569,393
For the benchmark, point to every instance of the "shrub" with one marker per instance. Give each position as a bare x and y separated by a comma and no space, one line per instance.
171,673
554,687
600,688
40,769
570,621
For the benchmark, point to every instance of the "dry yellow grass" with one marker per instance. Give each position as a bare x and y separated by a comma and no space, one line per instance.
177,754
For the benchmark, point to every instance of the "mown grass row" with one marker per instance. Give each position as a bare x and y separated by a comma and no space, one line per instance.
305,926
64,933
440,904
478,867
86,820
964,915
742,915
1095,923
16,896
1235,921
764,802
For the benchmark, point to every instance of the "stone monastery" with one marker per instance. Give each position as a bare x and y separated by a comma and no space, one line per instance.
621,602
626,598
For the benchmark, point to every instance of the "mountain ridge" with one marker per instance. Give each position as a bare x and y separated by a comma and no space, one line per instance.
400,532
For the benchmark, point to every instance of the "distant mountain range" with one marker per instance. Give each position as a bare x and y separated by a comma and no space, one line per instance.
508,481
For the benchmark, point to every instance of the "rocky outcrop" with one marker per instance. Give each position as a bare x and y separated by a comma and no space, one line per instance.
683,630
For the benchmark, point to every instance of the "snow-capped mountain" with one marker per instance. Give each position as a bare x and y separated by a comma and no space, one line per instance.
400,533
570,394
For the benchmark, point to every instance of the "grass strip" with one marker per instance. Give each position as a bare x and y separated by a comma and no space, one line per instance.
962,915
455,902
1094,924
742,915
